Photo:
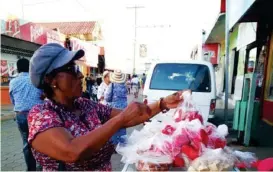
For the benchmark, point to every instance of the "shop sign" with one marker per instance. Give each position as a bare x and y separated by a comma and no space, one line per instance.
8,71
244,29
211,53
37,34
29,31
237,8
91,51
223,6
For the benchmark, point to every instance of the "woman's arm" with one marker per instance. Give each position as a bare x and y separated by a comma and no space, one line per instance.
115,112
155,108
59,144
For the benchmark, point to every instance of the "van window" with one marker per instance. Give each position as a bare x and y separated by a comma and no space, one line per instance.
177,76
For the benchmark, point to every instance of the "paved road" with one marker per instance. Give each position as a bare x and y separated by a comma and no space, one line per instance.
11,147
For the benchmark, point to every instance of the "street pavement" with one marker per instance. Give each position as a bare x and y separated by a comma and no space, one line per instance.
11,147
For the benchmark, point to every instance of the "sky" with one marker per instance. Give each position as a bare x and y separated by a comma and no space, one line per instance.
187,18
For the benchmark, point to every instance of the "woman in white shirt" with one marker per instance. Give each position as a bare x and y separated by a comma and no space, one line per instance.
103,87
135,86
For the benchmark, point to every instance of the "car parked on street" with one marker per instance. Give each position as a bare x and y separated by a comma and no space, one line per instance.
165,78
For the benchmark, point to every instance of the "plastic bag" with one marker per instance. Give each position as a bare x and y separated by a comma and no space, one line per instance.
245,159
180,139
213,160
216,135
187,109
148,145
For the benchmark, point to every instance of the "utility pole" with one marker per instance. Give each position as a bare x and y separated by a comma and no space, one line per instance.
135,38
226,61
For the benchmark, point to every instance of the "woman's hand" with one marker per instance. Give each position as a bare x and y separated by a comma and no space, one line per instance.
134,111
173,100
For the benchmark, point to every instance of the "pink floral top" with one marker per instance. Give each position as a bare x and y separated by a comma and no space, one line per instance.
50,115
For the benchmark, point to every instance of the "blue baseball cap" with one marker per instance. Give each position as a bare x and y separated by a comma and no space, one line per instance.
49,57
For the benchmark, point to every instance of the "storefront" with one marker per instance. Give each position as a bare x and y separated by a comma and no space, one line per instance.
25,31
12,49
256,106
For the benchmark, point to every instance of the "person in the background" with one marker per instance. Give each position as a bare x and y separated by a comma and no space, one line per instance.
143,80
88,81
116,97
129,84
135,86
24,96
103,87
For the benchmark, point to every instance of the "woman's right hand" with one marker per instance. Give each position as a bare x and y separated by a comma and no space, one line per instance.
132,112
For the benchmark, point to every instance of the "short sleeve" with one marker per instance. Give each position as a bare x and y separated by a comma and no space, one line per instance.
104,112
40,120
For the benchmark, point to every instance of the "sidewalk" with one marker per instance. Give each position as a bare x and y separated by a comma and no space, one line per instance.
7,112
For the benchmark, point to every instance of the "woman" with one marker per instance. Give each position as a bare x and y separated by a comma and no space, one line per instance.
103,87
116,97
128,84
135,86
68,132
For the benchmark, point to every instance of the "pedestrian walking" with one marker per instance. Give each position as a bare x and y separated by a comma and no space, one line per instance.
24,96
135,86
71,133
143,80
129,84
116,97
89,83
103,87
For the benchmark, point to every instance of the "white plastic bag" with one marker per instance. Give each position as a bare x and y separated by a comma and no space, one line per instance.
213,160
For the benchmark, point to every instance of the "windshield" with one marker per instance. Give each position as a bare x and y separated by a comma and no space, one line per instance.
177,76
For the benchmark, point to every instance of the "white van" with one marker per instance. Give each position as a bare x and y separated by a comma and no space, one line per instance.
165,78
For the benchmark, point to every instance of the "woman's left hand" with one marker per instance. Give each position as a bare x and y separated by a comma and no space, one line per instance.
173,100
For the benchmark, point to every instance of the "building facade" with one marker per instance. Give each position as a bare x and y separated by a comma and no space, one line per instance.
250,66
21,38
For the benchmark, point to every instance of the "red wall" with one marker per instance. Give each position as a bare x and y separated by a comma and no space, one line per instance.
223,6
268,111
5,99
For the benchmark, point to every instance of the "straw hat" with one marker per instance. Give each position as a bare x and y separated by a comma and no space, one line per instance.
117,77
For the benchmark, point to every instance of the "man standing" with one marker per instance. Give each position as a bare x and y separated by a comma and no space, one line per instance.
143,80
103,87
88,81
24,96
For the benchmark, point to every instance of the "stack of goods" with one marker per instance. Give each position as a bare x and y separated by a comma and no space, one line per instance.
185,141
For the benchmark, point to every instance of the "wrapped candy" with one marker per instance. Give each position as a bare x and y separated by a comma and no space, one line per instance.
213,160
181,140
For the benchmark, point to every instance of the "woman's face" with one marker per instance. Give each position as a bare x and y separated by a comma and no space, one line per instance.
68,81
107,78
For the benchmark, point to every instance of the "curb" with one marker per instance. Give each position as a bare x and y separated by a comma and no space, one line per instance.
7,117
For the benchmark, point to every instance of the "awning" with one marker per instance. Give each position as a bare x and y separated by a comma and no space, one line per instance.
217,34
260,10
